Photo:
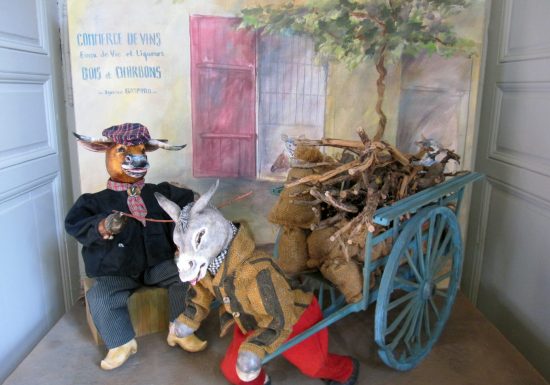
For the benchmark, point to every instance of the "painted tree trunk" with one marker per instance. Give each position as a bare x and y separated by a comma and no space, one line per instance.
381,89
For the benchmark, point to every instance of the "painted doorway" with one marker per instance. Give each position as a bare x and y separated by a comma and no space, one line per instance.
223,94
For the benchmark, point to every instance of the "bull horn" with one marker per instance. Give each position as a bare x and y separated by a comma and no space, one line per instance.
161,143
90,139
101,144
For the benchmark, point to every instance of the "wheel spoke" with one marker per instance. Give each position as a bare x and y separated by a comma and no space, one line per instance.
437,262
412,326
420,324
433,219
440,227
427,320
434,307
408,284
417,328
420,254
442,277
409,349
399,318
445,243
402,299
441,293
441,261
404,328
412,266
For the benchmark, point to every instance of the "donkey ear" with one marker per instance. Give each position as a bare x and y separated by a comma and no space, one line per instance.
203,201
171,208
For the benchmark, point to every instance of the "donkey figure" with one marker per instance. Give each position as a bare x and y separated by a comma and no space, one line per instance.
221,262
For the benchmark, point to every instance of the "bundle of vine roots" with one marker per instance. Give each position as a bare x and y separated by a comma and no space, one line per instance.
327,204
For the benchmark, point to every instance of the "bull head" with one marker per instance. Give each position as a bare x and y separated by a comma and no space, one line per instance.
126,164
201,234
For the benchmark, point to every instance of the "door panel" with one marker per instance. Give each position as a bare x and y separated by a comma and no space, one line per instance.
39,275
223,77
508,254
33,138
516,104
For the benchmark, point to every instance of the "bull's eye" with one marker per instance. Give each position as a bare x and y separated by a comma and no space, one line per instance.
121,149
199,236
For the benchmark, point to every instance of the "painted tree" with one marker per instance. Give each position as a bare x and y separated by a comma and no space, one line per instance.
352,31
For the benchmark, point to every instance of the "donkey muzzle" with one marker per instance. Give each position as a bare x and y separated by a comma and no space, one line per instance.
192,269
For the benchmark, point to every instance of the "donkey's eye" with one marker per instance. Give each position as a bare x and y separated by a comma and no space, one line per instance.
199,237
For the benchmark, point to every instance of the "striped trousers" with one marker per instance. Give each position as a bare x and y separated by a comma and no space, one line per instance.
108,300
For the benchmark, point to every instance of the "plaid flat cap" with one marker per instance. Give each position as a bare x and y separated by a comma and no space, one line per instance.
128,134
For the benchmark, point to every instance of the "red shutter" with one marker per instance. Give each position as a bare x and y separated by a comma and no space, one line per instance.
223,95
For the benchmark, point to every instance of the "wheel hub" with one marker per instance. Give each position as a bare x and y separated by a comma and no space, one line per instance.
427,290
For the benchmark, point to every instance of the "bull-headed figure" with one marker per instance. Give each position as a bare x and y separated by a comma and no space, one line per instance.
124,254
220,260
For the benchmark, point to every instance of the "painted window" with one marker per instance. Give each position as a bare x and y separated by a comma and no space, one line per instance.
292,92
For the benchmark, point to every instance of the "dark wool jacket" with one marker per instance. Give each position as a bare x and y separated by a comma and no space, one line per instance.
136,247
254,293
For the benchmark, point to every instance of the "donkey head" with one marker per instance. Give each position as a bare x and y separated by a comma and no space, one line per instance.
201,234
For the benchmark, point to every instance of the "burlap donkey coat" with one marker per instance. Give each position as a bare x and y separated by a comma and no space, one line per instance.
254,293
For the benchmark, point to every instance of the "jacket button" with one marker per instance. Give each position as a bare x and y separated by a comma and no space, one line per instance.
226,300
236,314
121,245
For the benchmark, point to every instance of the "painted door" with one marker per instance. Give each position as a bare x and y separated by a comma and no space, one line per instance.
507,269
38,280
223,94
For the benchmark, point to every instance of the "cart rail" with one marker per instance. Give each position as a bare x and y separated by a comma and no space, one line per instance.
385,215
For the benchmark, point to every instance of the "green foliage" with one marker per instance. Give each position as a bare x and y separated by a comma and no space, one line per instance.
350,31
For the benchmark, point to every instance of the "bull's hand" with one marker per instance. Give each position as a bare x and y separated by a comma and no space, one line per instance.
112,225
248,366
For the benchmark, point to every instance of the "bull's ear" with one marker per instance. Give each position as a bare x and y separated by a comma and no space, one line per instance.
203,201
92,144
171,208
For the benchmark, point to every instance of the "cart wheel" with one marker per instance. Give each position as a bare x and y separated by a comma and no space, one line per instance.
418,287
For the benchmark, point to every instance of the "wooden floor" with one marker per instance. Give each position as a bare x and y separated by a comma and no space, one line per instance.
470,352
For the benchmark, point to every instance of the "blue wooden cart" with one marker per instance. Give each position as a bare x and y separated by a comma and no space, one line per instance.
420,279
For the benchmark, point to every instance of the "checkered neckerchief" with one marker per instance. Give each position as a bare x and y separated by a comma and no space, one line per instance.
135,201
217,262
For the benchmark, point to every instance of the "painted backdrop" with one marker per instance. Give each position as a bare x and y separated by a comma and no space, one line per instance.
238,99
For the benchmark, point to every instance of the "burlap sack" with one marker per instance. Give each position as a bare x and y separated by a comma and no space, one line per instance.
292,250
286,212
319,245
346,276
379,250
